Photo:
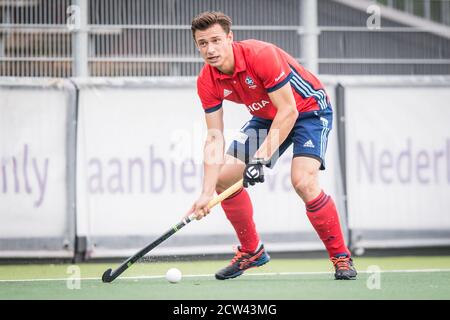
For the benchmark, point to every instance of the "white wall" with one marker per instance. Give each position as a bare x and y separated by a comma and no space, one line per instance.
33,171
398,168
398,157
163,126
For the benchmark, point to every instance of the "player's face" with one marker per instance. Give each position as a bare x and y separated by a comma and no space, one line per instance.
215,47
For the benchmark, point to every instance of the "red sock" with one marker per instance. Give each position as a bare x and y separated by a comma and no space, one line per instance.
324,217
239,210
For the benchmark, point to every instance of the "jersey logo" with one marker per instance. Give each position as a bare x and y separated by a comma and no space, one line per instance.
257,105
279,77
226,92
249,81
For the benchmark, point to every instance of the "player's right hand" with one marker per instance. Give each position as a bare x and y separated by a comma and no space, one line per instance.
200,207
254,172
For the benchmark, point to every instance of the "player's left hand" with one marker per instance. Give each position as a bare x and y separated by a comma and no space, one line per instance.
254,172
200,207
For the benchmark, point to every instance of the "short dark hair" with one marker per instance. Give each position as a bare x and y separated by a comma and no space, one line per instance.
209,18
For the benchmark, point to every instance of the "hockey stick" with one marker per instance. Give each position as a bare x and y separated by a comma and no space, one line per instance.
109,275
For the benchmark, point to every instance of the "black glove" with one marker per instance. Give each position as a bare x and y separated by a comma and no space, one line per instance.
253,172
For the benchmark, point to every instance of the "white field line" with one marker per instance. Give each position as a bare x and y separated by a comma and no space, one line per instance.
212,275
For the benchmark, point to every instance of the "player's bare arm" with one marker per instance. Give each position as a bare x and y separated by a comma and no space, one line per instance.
213,159
282,124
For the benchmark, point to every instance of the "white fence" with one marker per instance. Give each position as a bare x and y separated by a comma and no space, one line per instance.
138,147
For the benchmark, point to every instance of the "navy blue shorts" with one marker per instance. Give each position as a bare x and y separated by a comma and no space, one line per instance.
309,136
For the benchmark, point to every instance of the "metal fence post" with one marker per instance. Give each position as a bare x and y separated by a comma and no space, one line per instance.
310,37
80,39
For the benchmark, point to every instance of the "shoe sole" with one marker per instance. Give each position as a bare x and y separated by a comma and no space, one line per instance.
345,277
237,274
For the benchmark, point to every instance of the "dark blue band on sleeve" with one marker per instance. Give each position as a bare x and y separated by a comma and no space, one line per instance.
282,83
212,109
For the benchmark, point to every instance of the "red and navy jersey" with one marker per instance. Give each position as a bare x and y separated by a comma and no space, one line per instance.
259,69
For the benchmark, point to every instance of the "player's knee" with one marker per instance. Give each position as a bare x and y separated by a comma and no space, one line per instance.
230,173
305,183
221,186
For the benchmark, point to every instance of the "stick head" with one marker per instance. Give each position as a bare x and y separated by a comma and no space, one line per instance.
106,278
